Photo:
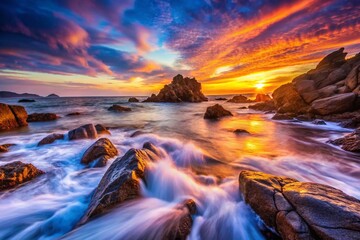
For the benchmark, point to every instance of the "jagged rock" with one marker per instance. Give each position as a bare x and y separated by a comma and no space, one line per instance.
118,108
318,122
179,90
333,60
350,142
99,152
16,173
26,100
287,99
298,210
352,80
241,131
73,114
85,131
51,138
133,99
338,103
100,129
262,97
240,99
216,112
121,182
12,116
264,106
5,147
42,117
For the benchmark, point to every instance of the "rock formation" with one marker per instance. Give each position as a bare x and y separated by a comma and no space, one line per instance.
51,138
350,142
118,108
240,99
99,152
42,117
301,210
86,131
264,106
179,90
100,129
12,116
331,88
216,112
16,173
5,147
260,97
133,99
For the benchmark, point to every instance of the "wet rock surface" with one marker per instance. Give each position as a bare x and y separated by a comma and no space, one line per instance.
42,117
51,138
180,90
83,132
12,117
100,129
99,152
16,173
240,99
215,112
5,147
118,108
350,142
264,106
301,210
133,99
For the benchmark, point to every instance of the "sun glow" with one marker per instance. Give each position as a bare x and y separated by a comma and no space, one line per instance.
259,85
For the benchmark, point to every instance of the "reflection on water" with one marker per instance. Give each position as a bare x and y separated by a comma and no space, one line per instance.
203,162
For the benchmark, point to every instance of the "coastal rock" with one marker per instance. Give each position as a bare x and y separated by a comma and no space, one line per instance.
118,108
287,99
299,210
240,99
283,116
179,90
100,129
241,131
338,103
318,122
99,152
51,138
220,99
216,112
26,100
133,99
262,97
350,142
121,182
16,173
264,106
5,147
12,116
73,114
86,131
42,117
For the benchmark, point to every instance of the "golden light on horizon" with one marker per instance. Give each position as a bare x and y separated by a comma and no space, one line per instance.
259,85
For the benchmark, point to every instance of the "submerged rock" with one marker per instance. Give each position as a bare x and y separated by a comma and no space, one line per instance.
5,147
99,152
241,131
26,100
133,99
16,173
216,112
42,117
298,210
350,142
12,116
121,182
85,131
118,108
179,90
318,122
51,138
73,114
264,106
240,99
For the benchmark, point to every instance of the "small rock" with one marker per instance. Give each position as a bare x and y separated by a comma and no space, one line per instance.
73,114
16,173
318,122
243,108
51,138
133,99
283,116
26,100
264,106
86,131
137,133
220,99
240,99
216,112
5,147
241,131
100,129
118,108
350,142
42,117
99,152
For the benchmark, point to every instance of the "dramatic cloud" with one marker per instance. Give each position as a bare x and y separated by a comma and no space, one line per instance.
230,46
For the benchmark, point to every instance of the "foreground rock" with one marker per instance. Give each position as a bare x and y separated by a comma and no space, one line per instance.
264,106
179,90
51,138
118,108
100,129
99,152
240,99
350,142
26,100
16,173
133,99
301,210
42,117
12,116
83,132
216,112
331,88
5,147
121,182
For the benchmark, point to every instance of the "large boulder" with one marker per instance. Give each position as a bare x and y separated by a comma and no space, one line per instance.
216,112
99,152
298,210
85,131
350,142
179,90
240,99
16,173
287,99
118,108
42,117
51,138
12,116
121,182
338,103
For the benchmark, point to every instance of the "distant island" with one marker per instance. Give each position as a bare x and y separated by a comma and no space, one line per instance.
7,94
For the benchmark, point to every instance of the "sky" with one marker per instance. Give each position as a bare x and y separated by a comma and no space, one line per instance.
134,47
